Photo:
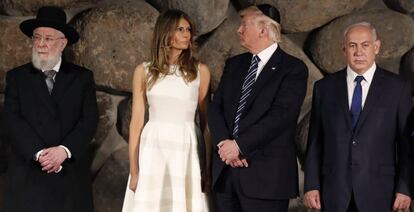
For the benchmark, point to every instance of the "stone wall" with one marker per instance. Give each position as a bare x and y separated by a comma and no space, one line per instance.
115,37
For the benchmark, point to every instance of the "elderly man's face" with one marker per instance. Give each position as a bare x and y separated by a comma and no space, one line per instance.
360,48
48,45
248,31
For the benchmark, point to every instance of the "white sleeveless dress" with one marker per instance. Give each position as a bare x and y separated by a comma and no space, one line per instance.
169,169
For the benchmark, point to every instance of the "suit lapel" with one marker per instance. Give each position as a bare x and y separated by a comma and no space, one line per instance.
40,88
342,88
63,79
373,96
272,66
237,80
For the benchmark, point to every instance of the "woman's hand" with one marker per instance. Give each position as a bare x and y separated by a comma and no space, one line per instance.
133,182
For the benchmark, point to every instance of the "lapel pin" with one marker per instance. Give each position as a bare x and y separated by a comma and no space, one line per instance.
273,68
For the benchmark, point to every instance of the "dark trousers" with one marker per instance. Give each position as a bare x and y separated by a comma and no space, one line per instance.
352,205
229,197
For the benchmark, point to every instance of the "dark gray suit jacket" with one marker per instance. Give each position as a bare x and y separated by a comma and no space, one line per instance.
374,160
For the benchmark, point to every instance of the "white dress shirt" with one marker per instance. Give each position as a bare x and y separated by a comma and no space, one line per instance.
264,56
365,84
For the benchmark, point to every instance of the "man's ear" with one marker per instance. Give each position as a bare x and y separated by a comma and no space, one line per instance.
377,46
344,48
263,31
63,44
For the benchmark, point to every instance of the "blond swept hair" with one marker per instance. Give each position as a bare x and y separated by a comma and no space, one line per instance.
261,19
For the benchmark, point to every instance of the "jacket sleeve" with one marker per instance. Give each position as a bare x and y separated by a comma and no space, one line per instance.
79,138
23,138
282,114
314,146
403,142
216,120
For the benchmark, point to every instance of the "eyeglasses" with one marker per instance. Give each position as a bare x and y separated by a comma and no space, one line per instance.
47,40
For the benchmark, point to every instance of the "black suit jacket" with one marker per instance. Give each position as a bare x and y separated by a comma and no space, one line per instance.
373,161
267,126
37,120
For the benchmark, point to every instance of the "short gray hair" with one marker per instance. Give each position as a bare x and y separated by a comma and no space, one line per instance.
362,24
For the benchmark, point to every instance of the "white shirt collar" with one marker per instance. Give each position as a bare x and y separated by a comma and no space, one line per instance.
57,66
368,75
266,53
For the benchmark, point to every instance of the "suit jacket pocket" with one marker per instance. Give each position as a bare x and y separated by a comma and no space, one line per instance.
387,170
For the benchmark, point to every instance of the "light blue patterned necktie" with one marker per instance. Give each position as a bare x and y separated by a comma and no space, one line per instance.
248,83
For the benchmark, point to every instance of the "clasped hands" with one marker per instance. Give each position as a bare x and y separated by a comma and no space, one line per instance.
230,154
51,159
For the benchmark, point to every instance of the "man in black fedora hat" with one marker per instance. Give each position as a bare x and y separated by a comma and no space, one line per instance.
252,119
51,114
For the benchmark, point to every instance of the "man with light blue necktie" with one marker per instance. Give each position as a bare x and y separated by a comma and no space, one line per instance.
252,120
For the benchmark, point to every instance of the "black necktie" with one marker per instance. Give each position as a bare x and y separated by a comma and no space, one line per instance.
49,75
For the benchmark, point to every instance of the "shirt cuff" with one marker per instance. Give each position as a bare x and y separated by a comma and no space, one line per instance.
67,151
60,169
37,155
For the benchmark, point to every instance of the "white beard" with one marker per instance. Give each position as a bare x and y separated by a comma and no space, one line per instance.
47,64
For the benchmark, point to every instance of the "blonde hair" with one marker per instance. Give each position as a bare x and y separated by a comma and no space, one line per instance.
164,30
261,19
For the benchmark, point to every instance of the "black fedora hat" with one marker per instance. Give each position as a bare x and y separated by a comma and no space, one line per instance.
50,16
269,11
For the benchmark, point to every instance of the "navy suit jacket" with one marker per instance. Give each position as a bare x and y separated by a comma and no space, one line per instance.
37,120
267,127
373,160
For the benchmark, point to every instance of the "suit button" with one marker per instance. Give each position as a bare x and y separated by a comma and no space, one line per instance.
354,143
